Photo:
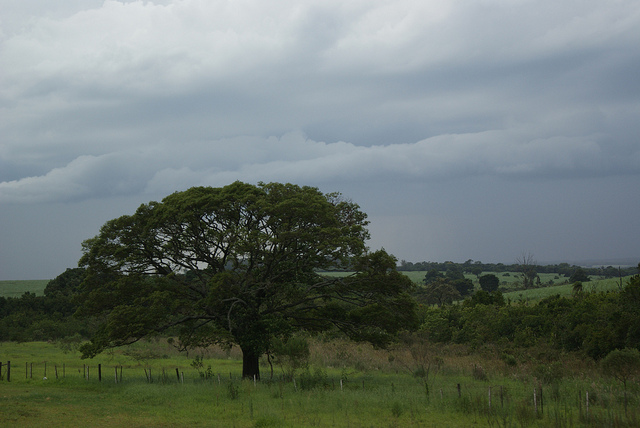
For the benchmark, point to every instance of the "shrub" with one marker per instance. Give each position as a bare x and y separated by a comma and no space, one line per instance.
317,379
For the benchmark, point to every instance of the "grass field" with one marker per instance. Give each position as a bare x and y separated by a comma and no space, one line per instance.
18,288
551,284
377,390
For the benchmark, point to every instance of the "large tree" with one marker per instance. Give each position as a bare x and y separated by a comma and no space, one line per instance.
240,265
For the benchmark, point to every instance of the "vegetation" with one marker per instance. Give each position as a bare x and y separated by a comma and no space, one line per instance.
18,288
239,265
278,275
346,384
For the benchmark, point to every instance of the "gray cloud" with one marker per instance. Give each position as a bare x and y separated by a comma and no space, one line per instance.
383,100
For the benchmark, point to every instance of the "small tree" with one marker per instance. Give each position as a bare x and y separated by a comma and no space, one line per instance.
489,282
438,292
527,267
291,354
624,365
579,275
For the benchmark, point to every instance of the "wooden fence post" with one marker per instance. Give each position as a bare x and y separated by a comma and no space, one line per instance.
489,397
587,406
178,375
116,377
535,402
8,371
1,370
459,391
99,372
541,402
26,370
45,369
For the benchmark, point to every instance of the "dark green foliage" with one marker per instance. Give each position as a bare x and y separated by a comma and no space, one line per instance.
489,282
315,379
291,354
239,265
463,286
579,275
438,292
594,323
482,297
622,364
432,275
564,269
66,284
49,317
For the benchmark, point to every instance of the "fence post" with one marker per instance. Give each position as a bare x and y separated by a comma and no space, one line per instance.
31,371
535,402
587,406
459,391
45,369
178,375
1,370
8,371
26,370
489,397
116,377
99,372
541,402
56,370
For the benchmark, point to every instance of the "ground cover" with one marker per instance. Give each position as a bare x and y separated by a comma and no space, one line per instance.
18,288
347,385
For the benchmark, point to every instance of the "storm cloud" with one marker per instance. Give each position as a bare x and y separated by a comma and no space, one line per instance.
464,129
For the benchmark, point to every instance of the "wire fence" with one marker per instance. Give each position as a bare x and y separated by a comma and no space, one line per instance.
523,400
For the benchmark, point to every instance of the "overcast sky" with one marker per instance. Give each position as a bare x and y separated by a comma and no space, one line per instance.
465,129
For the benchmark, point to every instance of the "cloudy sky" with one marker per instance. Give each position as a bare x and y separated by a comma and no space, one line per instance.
465,129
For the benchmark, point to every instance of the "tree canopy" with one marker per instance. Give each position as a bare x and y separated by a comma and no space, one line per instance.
241,264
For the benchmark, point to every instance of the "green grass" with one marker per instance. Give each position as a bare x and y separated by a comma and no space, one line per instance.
537,294
386,397
18,288
551,284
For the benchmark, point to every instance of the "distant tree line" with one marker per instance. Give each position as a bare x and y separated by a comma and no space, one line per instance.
477,267
592,323
49,317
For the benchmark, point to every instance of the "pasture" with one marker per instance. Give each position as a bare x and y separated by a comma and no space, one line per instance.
18,288
346,385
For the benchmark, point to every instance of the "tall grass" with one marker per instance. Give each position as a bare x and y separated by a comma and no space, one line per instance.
350,385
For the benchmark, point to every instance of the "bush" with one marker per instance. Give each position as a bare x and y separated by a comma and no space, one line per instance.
317,379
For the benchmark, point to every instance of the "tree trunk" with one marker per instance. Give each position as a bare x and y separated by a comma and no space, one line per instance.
250,365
